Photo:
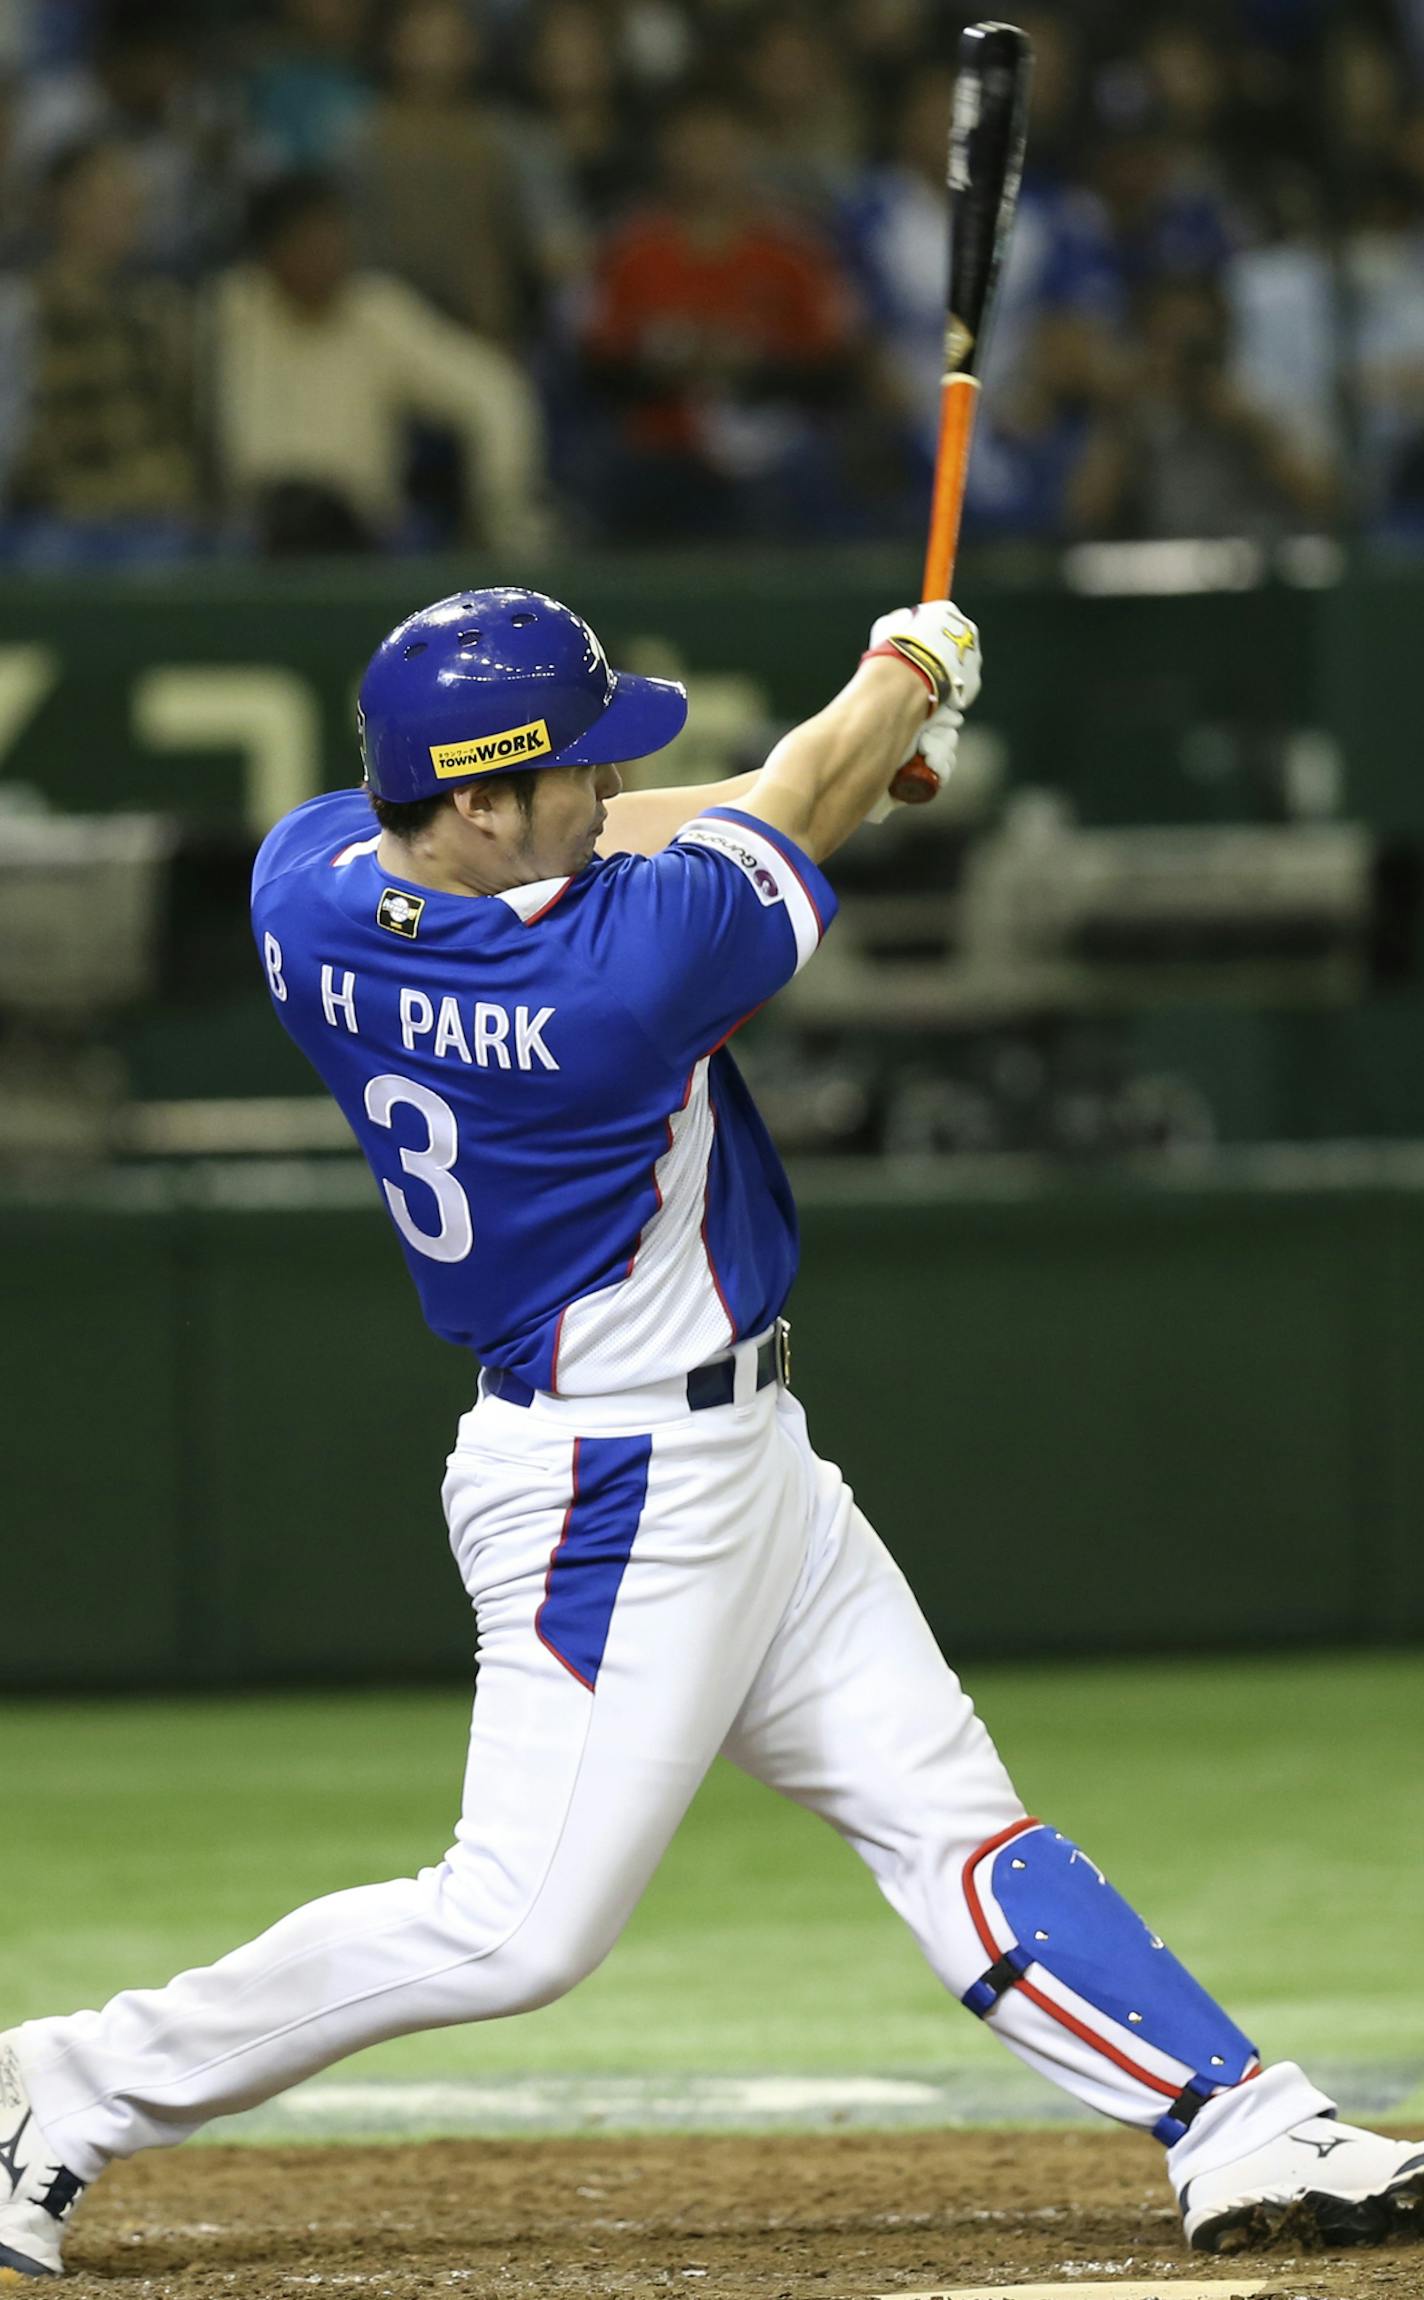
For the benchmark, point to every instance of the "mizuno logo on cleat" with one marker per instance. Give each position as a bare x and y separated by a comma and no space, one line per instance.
1321,2147
10,2151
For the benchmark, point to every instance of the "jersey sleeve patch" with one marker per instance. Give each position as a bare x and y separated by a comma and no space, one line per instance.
768,866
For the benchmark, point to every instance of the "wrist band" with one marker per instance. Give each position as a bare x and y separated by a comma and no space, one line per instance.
921,670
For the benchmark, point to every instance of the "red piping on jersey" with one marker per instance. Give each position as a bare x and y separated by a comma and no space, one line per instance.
811,899
554,1361
563,1661
706,1211
1026,1988
736,1026
545,907
653,1177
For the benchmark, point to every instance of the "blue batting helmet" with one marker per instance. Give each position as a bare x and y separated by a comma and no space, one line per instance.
486,682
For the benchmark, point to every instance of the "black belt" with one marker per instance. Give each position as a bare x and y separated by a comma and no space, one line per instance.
710,1385
715,1385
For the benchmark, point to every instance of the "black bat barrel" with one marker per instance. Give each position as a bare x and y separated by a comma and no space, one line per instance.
986,154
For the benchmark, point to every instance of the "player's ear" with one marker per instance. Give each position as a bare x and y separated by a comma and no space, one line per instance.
476,804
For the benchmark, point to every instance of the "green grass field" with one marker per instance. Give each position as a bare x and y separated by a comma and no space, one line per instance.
1267,1817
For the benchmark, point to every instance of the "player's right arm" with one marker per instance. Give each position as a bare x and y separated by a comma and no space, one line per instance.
721,919
833,770
827,775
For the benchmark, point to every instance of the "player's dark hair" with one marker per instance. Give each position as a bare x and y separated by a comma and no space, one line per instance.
404,819
407,818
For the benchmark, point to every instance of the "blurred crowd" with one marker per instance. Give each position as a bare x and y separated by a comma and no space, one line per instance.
298,276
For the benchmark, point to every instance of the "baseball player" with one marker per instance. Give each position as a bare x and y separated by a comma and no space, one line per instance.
519,986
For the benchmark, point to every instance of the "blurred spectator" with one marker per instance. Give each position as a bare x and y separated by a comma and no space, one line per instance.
889,40
1411,16
441,181
1188,70
54,31
1052,355
1191,72
806,111
144,85
1297,302
15,35
1061,305
15,205
591,139
1067,382
100,369
1383,312
1168,214
1365,95
319,371
719,331
1282,300
714,345
893,228
1189,453
311,91
656,42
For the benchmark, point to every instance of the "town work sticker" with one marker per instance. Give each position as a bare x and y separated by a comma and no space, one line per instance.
484,753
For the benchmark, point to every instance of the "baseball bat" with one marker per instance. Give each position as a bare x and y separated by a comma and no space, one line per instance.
987,135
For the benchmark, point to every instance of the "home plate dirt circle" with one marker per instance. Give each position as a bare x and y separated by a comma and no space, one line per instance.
780,2216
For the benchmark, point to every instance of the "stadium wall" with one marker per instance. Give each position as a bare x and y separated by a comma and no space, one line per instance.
1153,1416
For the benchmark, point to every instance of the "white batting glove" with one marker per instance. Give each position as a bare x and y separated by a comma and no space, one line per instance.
937,743
940,642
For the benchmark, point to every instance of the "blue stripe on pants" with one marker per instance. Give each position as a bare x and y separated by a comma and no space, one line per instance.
610,1486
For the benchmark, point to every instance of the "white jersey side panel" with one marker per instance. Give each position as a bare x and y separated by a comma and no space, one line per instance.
667,1312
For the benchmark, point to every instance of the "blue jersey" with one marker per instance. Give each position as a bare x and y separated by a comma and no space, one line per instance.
583,1188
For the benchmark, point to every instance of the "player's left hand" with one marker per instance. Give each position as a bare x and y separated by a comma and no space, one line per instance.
937,743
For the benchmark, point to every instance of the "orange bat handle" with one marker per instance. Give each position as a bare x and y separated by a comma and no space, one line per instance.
958,406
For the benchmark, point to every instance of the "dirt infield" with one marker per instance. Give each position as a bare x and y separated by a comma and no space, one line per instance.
772,2219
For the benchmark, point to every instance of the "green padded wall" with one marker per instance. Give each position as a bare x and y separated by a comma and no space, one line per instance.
329,1410
97,1422
1083,1419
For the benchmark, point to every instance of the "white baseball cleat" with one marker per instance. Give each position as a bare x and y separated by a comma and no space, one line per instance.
1322,2183
37,2193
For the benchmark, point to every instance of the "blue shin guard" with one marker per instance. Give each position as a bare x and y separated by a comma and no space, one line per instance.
1055,1930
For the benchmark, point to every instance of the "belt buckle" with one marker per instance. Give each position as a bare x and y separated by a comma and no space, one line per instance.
783,1352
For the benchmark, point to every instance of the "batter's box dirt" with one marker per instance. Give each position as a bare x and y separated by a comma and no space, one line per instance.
836,2217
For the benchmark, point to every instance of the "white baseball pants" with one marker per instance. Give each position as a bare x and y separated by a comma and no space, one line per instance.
649,1592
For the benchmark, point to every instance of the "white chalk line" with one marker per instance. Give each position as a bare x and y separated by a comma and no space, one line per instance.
351,2108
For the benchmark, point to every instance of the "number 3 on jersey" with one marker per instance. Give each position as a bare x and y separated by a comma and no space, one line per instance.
430,1165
